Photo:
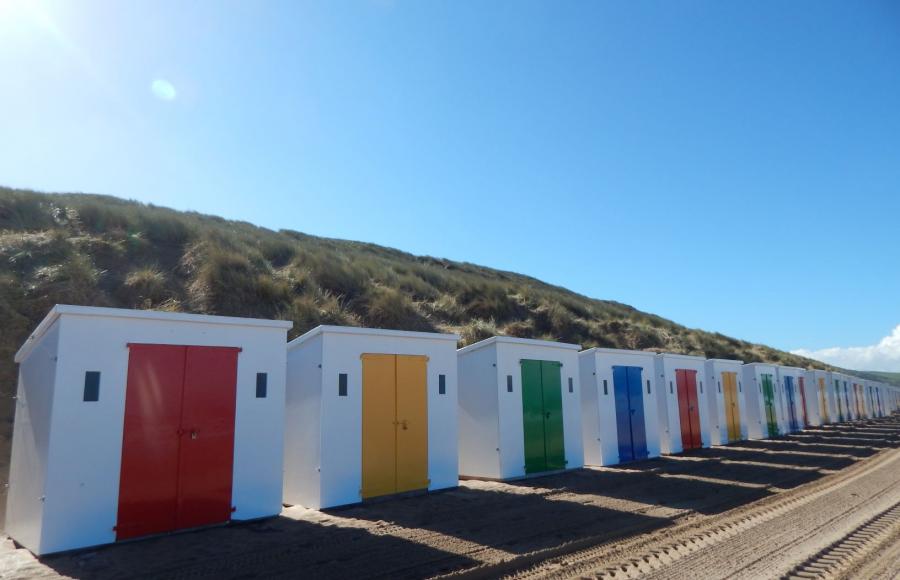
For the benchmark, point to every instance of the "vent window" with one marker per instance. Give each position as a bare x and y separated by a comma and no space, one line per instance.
262,385
92,386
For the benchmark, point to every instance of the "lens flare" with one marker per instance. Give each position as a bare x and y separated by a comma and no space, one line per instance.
163,89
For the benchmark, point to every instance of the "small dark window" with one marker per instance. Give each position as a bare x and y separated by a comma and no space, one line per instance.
442,384
571,388
739,386
605,388
670,388
342,384
719,383
262,385
648,386
701,387
92,386
508,383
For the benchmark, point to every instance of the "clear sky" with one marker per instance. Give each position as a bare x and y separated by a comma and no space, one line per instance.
734,166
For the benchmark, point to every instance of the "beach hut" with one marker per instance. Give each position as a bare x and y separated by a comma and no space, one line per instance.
842,396
133,422
760,381
684,421
725,400
620,412
817,395
519,408
790,392
856,398
369,413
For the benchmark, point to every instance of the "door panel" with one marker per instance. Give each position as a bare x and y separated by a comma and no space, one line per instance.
838,398
206,463
636,410
623,413
823,402
693,409
684,405
379,429
769,404
148,484
554,436
802,387
732,408
533,417
789,391
412,418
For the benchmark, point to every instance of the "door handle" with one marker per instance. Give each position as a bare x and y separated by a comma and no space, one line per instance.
547,415
195,434
403,424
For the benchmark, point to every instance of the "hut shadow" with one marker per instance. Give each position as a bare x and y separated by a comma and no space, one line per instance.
859,451
678,488
772,454
509,520
271,548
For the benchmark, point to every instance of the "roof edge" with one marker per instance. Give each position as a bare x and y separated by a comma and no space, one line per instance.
330,329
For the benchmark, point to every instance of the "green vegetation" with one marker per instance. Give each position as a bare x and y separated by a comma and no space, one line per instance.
891,378
99,250
105,251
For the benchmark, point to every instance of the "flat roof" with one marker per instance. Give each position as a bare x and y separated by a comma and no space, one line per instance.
726,360
358,330
618,351
100,311
675,355
522,341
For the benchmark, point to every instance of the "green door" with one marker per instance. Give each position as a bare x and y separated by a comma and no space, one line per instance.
553,417
769,402
542,416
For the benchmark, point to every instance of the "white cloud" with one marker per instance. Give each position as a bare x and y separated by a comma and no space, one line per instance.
884,356
163,89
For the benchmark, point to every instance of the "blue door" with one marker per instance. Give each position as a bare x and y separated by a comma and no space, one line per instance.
630,427
792,414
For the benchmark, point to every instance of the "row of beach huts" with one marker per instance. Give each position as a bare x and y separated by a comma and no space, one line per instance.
134,423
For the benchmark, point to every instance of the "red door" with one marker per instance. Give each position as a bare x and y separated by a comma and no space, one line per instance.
694,409
688,410
178,440
207,447
148,483
803,400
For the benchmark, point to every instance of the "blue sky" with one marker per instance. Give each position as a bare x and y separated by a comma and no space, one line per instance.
733,166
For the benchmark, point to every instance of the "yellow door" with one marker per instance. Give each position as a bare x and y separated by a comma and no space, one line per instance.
379,429
394,424
823,404
412,423
732,407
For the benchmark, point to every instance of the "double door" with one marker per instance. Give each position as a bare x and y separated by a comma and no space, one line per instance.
838,396
178,438
630,423
792,412
688,409
802,388
394,424
542,416
732,405
823,400
768,391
